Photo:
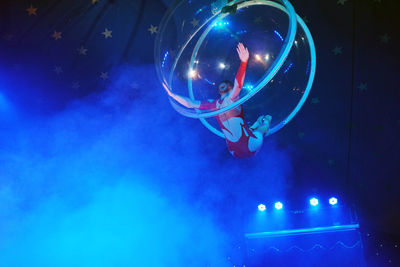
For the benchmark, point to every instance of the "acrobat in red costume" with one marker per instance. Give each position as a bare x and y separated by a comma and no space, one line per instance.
242,141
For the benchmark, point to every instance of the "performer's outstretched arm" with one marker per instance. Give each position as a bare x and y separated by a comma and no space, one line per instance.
239,79
189,103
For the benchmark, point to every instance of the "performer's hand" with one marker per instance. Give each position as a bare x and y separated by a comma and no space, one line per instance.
242,52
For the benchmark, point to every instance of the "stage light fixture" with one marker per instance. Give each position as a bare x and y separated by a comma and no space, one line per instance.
278,205
261,207
333,201
314,201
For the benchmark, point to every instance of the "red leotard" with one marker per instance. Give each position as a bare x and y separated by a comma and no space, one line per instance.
240,148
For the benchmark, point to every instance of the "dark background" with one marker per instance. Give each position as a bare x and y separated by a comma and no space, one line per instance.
57,101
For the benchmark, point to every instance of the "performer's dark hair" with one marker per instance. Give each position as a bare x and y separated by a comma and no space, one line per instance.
228,84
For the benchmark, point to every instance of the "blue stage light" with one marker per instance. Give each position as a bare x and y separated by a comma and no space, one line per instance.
314,201
220,24
261,207
333,201
278,205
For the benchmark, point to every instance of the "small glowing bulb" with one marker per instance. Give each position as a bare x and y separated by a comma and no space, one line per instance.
295,42
314,201
333,201
278,205
267,57
222,65
258,58
192,73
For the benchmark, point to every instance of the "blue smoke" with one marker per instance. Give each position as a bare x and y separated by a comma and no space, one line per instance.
119,179
121,225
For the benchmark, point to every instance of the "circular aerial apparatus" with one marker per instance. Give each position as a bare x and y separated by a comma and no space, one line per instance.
195,51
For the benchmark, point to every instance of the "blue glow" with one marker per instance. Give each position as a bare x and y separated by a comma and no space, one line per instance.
248,87
208,81
304,231
165,58
241,32
200,10
220,24
314,201
288,68
333,201
279,35
115,210
261,207
278,205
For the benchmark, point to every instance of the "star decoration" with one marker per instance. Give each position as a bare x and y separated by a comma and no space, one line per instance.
76,85
57,35
341,2
315,100
58,70
385,38
107,33
31,10
152,29
258,20
300,134
194,22
363,87
82,50
104,75
337,50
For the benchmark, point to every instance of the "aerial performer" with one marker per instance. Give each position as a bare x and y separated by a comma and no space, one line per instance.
242,141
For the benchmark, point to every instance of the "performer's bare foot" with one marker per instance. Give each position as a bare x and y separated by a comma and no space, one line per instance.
264,125
257,123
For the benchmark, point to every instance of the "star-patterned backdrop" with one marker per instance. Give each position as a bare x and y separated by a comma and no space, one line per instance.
343,141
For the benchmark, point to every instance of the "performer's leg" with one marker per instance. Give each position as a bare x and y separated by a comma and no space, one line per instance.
255,144
264,126
260,132
257,123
